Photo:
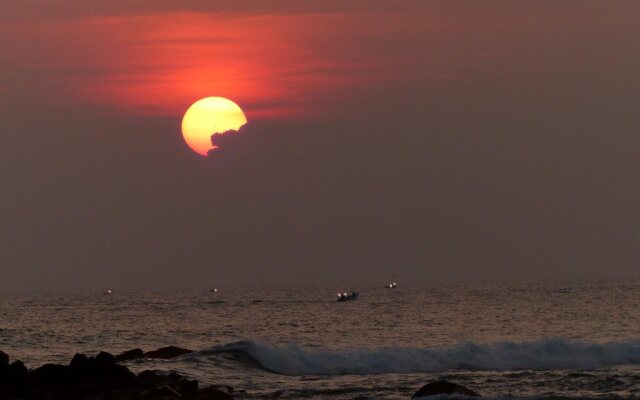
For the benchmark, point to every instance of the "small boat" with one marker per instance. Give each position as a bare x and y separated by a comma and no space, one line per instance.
393,284
214,290
347,296
108,292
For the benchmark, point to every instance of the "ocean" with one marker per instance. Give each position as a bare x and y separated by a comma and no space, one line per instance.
542,340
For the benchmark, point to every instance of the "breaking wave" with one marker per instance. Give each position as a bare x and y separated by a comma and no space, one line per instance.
544,354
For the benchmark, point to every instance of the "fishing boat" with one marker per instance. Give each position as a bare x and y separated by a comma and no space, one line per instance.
347,296
393,284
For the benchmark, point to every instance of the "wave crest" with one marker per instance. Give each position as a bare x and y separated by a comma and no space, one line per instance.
544,354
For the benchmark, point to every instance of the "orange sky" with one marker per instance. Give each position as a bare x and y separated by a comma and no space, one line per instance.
308,61
272,65
159,63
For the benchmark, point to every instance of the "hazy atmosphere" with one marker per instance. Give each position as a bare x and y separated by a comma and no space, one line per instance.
435,140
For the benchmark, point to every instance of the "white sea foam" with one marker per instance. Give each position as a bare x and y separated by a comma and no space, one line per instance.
545,354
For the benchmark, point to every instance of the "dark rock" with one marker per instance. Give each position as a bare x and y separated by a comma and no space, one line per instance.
167,352
17,372
443,387
174,377
104,358
101,369
277,394
148,378
162,392
130,355
12,380
211,393
126,394
187,387
224,388
99,378
49,374
78,362
4,360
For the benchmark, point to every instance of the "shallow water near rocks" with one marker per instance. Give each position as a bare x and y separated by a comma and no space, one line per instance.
547,340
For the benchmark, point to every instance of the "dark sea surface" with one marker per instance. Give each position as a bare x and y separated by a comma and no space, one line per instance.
546,340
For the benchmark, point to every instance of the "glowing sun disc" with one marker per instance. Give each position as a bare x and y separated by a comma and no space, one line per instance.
207,117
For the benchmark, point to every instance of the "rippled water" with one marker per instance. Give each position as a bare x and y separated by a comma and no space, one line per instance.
534,340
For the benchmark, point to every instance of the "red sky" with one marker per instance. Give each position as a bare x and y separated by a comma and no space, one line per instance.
158,62
295,61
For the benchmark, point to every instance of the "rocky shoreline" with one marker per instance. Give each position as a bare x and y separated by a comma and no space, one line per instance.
103,378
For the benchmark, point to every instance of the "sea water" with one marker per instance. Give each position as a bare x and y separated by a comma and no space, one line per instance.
543,340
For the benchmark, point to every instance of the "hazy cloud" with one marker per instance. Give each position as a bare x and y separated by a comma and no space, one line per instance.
482,140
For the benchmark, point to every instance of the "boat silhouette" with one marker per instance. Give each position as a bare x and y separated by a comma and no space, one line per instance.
347,296
393,284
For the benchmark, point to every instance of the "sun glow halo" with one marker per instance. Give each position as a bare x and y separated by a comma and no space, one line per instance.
209,116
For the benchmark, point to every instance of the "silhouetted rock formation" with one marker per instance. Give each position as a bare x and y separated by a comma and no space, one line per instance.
4,360
99,377
443,387
167,352
211,393
224,388
130,355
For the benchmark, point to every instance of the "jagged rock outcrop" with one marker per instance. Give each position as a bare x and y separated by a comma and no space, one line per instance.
4,360
167,352
443,387
212,393
129,355
99,377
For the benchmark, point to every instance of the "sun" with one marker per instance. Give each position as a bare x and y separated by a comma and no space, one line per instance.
207,117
